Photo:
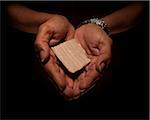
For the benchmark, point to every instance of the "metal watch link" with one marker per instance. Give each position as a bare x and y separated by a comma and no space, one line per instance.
97,21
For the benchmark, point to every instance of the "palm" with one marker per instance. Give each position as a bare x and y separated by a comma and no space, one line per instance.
98,47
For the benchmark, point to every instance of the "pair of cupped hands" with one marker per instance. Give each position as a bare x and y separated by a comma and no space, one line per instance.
92,38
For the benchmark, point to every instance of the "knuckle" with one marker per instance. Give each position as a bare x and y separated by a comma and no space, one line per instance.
83,85
76,93
68,93
62,17
43,27
37,44
62,85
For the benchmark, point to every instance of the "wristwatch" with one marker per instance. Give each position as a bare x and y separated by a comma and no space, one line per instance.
100,22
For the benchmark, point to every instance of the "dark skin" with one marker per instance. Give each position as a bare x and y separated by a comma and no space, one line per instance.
51,28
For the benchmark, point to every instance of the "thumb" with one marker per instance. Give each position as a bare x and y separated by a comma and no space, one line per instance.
102,63
43,50
70,34
95,51
100,68
42,45
95,47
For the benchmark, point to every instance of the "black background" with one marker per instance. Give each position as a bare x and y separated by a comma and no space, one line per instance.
26,93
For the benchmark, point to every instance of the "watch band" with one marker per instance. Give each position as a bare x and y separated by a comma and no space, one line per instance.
100,22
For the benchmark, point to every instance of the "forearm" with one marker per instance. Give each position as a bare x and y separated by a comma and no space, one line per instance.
124,18
26,19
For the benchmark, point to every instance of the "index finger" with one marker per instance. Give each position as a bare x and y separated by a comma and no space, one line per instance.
56,73
42,42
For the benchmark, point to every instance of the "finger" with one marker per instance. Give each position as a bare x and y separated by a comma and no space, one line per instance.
74,85
53,42
69,82
90,80
101,67
42,50
81,40
76,89
68,93
95,51
90,56
42,43
94,47
92,62
59,77
102,62
70,34
56,73
90,77
85,47
84,91
94,71
52,54
82,80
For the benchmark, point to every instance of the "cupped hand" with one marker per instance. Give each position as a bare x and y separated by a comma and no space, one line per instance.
97,45
58,76
50,33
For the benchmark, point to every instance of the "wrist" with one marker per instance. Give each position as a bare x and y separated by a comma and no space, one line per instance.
43,17
100,22
109,22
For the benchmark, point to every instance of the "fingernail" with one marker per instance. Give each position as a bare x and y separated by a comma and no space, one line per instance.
96,51
42,56
101,67
42,60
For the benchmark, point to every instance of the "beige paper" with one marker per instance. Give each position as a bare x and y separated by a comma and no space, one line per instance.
72,55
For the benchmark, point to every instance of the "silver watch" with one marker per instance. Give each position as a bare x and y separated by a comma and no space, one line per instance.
99,22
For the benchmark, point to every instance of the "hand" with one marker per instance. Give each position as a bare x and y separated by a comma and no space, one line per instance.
51,33
56,73
98,47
